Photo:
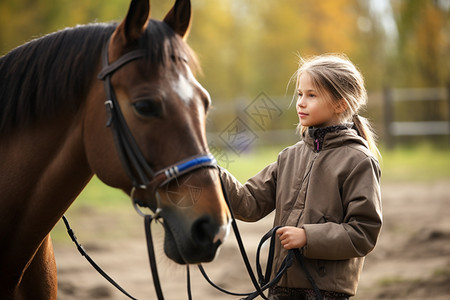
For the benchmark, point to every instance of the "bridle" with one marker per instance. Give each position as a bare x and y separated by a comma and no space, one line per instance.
143,177
140,173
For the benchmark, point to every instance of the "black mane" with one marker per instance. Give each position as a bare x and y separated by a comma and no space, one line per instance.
47,74
54,72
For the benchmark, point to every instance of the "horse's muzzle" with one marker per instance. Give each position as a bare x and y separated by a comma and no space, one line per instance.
193,244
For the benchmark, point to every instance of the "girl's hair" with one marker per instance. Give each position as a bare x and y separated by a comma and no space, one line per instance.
338,76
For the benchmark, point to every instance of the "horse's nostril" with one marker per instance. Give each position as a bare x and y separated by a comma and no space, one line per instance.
204,231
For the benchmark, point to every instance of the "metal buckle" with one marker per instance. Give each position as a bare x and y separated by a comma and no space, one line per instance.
156,214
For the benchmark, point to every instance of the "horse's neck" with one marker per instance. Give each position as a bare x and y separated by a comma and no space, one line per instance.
43,170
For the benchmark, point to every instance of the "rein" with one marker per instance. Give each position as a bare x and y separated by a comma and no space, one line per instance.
144,177
264,281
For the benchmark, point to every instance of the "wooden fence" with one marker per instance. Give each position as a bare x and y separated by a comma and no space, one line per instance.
427,96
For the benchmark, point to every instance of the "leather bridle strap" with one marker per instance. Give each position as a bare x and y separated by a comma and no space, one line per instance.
133,161
108,69
151,256
91,261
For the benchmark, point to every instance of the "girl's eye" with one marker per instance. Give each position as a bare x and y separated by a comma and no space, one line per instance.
312,95
148,108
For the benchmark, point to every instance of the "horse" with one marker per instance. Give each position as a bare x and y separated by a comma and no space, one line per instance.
55,134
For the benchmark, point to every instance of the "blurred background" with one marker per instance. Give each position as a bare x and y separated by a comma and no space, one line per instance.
249,46
249,50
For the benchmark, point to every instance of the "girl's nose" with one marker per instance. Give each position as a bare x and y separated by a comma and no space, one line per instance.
300,103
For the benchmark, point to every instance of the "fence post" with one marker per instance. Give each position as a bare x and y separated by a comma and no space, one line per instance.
388,117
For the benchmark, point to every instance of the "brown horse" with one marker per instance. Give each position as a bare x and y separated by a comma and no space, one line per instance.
53,138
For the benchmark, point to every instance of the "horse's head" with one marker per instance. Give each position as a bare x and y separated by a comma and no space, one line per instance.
165,109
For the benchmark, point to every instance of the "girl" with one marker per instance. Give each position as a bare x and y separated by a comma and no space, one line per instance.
325,189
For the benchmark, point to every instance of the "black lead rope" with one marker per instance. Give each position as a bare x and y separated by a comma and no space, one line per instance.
301,259
264,280
239,241
151,256
89,259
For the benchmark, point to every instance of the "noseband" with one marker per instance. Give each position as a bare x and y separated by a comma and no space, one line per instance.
138,170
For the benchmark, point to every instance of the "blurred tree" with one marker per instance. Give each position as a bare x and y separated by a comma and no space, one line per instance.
304,28
254,45
249,46
423,56
22,20
209,37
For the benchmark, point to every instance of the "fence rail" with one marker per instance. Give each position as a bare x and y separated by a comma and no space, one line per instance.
395,129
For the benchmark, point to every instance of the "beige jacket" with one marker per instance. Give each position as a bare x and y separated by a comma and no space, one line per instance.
334,194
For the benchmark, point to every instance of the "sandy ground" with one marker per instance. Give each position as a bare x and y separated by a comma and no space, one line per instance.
411,260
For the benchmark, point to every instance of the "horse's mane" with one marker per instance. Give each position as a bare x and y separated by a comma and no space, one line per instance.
54,72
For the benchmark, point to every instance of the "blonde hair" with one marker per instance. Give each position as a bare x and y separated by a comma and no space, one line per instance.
337,75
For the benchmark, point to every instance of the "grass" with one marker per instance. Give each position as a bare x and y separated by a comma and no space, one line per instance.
97,194
420,163
249,164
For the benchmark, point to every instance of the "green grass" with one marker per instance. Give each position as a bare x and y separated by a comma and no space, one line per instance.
249,164
97,194
414,164
420,163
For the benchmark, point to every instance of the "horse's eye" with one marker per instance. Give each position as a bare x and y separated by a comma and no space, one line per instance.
147,108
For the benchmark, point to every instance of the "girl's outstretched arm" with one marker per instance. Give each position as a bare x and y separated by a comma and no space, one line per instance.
256,198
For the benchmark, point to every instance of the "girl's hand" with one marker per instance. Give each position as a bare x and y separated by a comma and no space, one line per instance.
292,237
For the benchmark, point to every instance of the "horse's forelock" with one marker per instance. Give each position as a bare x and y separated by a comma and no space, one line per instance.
165,47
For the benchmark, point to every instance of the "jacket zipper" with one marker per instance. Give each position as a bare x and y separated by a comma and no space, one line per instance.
305,180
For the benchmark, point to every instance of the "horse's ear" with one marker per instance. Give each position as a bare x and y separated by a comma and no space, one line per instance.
179,17
135,22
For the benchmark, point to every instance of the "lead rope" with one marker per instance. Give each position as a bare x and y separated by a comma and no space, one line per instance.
259,291
264,282
151,255
239,241
89,259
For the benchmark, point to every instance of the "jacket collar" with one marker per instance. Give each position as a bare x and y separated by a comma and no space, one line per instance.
328,137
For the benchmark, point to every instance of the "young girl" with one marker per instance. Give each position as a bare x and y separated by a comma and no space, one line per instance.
325,189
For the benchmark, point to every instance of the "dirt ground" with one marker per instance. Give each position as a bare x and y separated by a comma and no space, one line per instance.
411,260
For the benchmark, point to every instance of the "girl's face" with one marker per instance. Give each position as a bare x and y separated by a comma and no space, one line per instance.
314,108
